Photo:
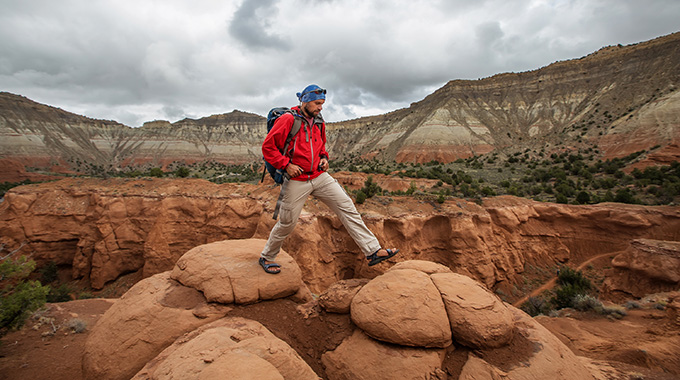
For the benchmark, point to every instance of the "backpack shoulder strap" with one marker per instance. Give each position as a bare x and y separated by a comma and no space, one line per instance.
297,124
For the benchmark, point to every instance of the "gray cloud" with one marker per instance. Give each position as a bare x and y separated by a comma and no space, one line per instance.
168,60
251,25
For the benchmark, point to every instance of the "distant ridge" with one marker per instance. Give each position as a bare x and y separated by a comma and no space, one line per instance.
619,100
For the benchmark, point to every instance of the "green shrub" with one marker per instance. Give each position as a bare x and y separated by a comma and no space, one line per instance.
535,306
62,293
583,197
156,172
572,284
370,188
49,273
361,197
182,172
18,296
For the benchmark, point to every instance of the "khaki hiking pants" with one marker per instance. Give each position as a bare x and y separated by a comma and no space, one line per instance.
328,190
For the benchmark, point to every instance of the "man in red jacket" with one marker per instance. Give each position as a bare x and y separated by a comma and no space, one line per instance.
305,163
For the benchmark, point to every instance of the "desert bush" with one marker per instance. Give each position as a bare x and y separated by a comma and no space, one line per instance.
156,172
572,284
182,172
370,188
49,273
361,197
76,325
61,293
615,311
584,302
583,197
18,295
535,306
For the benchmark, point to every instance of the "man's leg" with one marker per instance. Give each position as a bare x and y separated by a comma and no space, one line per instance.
329,191
296,193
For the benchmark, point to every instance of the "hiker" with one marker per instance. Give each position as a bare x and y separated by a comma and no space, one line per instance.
305,164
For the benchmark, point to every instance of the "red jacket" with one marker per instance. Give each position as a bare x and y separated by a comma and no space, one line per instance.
304,150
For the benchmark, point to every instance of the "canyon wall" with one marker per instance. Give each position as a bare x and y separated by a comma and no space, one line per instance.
618,100
102,229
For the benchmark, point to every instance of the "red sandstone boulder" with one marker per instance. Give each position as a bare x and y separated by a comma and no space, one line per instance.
338,297
361,358
478,318
427,267
228,272
159,309
145,320
402,307
231,348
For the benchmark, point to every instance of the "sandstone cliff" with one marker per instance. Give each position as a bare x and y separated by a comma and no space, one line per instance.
102,229
621,99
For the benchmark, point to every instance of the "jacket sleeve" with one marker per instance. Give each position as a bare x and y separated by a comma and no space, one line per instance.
275,140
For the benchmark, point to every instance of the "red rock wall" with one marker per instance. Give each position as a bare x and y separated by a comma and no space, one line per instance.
106,228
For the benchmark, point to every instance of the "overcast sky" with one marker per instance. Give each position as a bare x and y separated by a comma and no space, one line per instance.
140,60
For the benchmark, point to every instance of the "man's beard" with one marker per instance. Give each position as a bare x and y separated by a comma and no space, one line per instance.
305,108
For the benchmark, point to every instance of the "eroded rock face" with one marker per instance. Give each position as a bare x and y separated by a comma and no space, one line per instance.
231,348
646,266
622,99
102,229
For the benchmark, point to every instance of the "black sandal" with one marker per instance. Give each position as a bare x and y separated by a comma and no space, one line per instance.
375,259
268,267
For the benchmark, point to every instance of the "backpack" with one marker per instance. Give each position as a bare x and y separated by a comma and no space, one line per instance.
279,174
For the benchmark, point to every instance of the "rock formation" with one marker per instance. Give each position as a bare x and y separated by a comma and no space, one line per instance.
99,230
646,266
162,329
199,289
621,99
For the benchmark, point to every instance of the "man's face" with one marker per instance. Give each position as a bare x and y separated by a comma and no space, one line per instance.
314,107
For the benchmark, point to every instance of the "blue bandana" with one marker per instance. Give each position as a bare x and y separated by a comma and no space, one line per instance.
311,93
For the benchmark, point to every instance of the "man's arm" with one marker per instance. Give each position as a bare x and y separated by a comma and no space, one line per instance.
275,140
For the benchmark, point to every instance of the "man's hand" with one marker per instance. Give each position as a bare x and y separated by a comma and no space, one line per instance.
323,164
293,170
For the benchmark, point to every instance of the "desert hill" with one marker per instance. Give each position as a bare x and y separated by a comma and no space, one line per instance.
620,99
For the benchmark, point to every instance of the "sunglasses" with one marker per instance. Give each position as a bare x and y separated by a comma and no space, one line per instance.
317,91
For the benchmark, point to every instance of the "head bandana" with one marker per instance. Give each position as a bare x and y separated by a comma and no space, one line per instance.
311,93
